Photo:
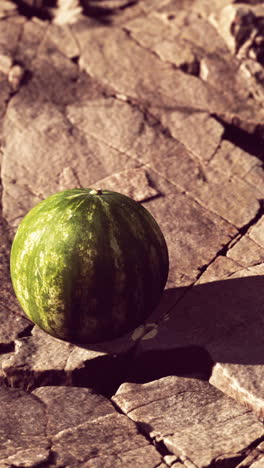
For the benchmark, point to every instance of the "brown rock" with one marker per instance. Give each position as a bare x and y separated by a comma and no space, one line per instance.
58,425
40,359
7,8
194,420
132,182
27,458
209,186
221,268
193,234
256,233
121,126
232,160
147,456
112,434
68,407
22,425
200,133
246,252
225,318
256,178
155,83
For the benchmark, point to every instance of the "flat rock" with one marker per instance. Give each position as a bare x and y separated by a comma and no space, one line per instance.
155,83
232,338
187,225
246,252
162,101
194,420
210,186
58,425
40,359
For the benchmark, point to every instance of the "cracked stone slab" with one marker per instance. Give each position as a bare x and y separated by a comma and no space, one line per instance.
255,458
32,140
223,316
131,182
7,8
193,234
40,359
12,321
246,252
122,126
233,160
155,83
211,187
256,232
200,133
35,428
143,456
22,424
193,419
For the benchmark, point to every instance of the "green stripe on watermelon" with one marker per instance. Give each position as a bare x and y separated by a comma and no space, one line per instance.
88,266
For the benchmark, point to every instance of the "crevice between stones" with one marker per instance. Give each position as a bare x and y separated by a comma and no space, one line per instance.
241,232
143,430
250,141
237,458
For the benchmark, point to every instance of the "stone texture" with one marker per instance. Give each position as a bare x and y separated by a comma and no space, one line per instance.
209,186
35,428
195,421
225,318
163,101
155,83
256,233
246,252
191,234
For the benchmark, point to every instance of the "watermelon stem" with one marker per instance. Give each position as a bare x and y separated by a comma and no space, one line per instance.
96,192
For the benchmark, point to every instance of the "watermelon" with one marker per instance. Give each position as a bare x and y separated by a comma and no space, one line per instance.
88,265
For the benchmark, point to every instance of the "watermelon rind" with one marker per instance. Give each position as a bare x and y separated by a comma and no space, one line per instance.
88,265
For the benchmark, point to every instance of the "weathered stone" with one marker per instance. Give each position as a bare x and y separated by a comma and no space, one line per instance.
146,456
40,359
121,126
209,186
30,39
28,458
35,428
193,235
256,178
242,382
10,30
112,434
232,160
256,233
200,133
194,420
223,317
148,121
254,459
132,182
158,82
35,144
246,252
7,8
221,268
64,40
68,407
22,424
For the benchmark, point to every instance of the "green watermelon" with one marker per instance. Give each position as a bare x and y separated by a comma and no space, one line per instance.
88,265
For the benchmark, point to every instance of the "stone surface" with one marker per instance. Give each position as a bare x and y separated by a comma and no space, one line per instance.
246,252
225,317
163,101
195,421
56,425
